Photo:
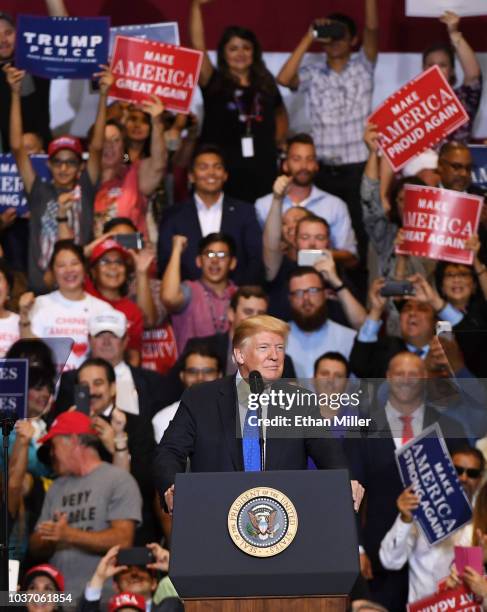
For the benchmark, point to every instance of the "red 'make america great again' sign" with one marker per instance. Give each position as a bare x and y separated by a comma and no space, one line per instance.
437,222
144,67
417,116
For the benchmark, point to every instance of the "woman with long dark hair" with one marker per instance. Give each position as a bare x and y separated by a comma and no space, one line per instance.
243,110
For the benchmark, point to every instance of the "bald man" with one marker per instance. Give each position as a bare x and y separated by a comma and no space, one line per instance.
455,168
373,459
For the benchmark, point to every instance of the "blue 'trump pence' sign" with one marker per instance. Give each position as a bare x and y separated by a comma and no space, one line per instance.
62,47
12,193
425,463
14,387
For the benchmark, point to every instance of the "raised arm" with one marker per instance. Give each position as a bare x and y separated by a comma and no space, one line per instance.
24,165
272,252
372,166
142,262
371,30
480,269
288,75
353,309
466,55
93,166
17,465
151,169
56,8
197,38
171,292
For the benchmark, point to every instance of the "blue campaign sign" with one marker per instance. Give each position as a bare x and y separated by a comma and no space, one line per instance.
479,167
426,463
62,47
167,32
12,193
14,387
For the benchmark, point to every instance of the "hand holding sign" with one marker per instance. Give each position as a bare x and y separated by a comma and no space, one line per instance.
154,107
407,502
371,137
475,582
7,218
14,78
451,20
105,79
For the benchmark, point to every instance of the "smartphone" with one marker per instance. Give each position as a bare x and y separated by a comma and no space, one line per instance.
139,555
397,289
308,257
82,398
443,327
133,241
329,31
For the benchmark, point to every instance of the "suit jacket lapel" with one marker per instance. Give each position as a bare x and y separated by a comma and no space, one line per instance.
228,216
192,222
228,409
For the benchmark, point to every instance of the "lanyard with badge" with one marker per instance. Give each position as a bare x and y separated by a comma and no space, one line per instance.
219,323
255,114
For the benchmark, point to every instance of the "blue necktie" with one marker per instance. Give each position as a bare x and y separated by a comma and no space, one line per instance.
251,443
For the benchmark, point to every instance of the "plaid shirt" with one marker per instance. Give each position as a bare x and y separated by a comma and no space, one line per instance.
339,104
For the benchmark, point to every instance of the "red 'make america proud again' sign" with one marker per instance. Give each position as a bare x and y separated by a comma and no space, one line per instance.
417,116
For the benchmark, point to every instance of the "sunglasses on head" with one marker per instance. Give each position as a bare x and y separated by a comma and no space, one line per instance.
471,472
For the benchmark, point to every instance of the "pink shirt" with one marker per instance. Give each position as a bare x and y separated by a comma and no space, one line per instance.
204,312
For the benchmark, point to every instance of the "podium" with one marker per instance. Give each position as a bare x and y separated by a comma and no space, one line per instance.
304,548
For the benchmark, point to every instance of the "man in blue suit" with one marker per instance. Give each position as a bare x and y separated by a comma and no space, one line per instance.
209,211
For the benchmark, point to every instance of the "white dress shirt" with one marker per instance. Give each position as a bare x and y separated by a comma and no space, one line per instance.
127,396
393,417
405,543
210,218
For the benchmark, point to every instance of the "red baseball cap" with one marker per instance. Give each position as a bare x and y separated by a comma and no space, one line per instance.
126,600
45,570
68,423
107,245
65,142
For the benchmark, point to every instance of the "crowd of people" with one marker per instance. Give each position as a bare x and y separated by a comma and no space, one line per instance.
153,242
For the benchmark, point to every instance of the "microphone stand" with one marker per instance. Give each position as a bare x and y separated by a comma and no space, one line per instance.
7,422
256,384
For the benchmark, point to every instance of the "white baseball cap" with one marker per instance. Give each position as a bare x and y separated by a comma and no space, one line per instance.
112,321
428,160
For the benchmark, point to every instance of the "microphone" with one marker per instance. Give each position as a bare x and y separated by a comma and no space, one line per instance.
256,384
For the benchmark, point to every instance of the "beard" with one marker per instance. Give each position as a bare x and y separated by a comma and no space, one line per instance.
310,322
304,179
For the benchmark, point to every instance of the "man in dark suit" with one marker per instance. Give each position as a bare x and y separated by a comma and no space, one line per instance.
212,424
211,211
372,457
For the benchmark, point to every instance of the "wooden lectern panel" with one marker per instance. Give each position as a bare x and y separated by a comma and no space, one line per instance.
268,604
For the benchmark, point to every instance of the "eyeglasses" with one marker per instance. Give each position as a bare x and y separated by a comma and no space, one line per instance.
107,262
457,275
473,473
457,167
217,254
202,371
71,163
300,293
